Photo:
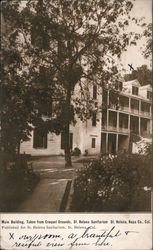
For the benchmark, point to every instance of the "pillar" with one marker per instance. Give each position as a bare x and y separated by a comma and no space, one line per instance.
150,127
129,104
129,121
116,143
150,111
139,126
107,98
107,125
117,125
139,107
106,143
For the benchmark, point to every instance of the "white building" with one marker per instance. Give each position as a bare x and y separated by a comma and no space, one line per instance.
108,131
84,135
131,114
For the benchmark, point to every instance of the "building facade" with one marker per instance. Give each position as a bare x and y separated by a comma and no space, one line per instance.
124,113
84,135
127,114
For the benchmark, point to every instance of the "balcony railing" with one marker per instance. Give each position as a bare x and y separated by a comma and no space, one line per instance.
109,128
123,130
134,111
145,113
112,106
112,128
145,134
124,108
104,127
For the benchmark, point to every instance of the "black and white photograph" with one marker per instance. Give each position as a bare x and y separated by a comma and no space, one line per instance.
76,106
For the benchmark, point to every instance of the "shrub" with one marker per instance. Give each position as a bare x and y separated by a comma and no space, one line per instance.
76,152
108,184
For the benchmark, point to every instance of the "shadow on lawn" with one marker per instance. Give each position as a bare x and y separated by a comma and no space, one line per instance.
17,182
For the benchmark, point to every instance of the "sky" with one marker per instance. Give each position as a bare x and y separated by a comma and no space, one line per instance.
141,8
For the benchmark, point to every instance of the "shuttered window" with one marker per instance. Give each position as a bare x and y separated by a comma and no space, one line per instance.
39,139
134,90
93,142
94,119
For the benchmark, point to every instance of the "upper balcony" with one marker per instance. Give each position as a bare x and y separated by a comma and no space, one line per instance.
123,123
124,103
120,102
145,109
134,106
112,128
115,122
145,114
127,104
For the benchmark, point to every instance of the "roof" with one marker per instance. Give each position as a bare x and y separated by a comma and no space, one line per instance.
133,82
148,86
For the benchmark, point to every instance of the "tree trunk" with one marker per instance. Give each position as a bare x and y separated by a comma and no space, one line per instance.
18,148
68,162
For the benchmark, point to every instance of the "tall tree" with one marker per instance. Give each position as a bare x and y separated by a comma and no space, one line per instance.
147,52
75,41
22,100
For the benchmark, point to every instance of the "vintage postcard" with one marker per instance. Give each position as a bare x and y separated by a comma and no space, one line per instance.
76,125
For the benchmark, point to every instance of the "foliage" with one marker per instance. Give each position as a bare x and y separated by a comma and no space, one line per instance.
63,46
109,183
76,152
142,74
23,99
148,34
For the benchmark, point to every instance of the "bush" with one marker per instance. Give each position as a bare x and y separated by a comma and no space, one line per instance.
108,184
76,152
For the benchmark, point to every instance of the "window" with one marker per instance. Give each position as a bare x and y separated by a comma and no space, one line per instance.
39,138
134,90
94,119
94,92
93,142
63,140
149,95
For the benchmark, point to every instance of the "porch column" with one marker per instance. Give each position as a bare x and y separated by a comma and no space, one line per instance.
129,104
117,124
150,111
107,98
139,126
116,143
106,143
150,127
107,125
139,107
129,120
